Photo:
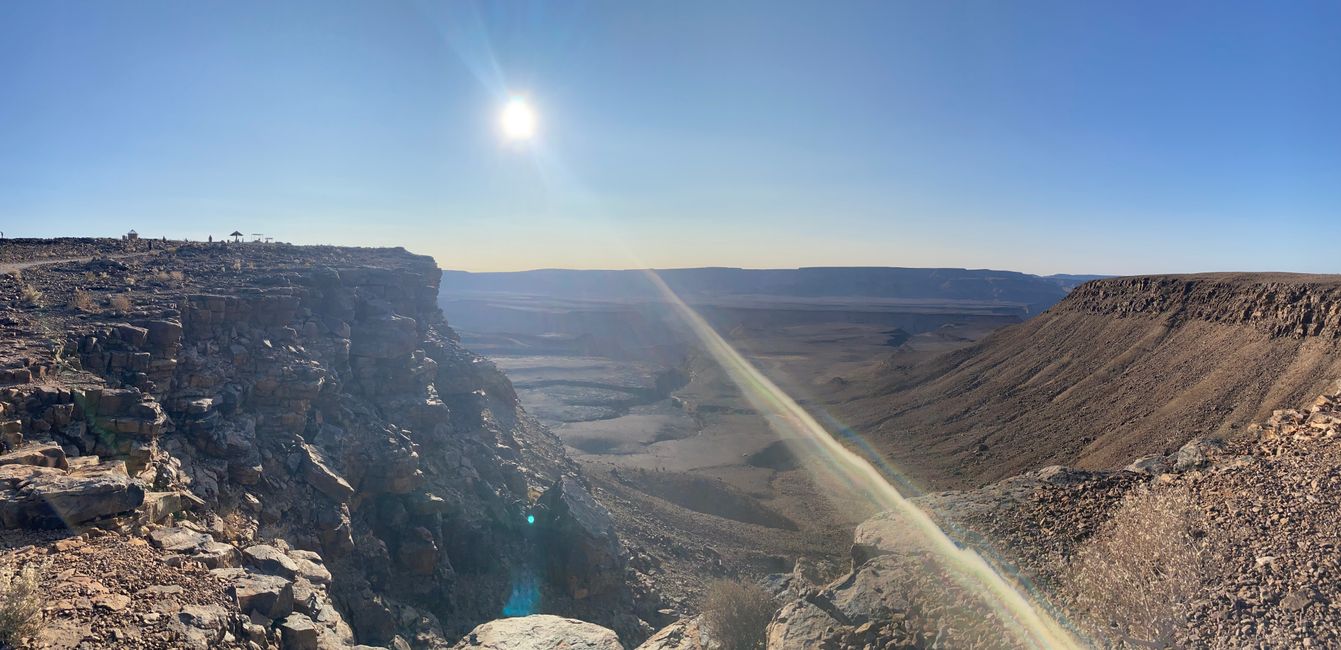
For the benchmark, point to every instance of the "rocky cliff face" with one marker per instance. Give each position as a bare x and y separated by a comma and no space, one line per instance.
309,403
1279,304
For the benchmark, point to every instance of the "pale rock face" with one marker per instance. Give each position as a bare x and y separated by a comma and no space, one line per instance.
539,632
688,634
179,540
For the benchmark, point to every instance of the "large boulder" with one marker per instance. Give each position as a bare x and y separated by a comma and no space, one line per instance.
179,540
582,550
54,499
47,455
292,565
204,626
162,334
539,632
318,472
298,632
266,595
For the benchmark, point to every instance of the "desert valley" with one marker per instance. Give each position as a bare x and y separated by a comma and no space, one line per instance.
268,445
751,325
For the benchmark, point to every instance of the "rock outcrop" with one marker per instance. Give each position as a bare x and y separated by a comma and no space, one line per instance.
38,496
302,422
1280,304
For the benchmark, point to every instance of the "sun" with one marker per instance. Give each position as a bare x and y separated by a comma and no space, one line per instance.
518,120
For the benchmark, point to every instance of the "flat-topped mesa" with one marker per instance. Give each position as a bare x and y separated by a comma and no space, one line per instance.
1282,304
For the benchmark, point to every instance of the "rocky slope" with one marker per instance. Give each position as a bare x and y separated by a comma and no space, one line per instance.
301,423
1258,515
1120,368
1218,545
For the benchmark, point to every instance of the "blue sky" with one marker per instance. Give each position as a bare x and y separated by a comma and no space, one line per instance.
1081,137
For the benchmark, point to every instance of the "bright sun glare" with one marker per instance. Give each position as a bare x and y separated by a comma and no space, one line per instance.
518,120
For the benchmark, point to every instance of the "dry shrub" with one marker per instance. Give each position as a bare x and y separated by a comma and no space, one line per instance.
30,295
83,301
737,614
1132,583
119,302
20,604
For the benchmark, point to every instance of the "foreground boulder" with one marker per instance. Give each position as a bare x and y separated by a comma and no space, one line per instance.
46,455
46,497
539,632
582,549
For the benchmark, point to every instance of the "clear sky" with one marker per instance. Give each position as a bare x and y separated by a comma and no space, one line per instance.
1080,137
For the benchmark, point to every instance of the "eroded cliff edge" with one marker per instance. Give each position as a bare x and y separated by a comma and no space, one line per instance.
297,415
1280,304
1122,367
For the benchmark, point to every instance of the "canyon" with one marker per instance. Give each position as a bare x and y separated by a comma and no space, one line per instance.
696,476
263,445
1130,400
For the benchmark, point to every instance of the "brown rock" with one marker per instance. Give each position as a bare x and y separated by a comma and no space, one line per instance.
269,596
47,455
298,632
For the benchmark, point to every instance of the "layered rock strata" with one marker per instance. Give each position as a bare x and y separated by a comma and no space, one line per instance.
290,411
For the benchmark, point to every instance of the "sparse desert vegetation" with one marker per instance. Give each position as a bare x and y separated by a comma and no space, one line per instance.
119,302
83,301
30,295
20,604
1133,582
737,613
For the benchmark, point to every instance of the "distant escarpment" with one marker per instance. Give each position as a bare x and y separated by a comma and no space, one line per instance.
1279,304
707,285
1120,368
301,424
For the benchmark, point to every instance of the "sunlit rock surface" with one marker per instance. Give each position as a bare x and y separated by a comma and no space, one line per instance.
539,632
302,422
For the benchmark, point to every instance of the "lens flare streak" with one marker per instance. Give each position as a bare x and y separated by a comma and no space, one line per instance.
1028,623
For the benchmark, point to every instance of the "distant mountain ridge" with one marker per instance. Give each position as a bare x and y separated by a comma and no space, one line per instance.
705,284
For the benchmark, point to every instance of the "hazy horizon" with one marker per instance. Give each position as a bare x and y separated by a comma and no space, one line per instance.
1046,137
